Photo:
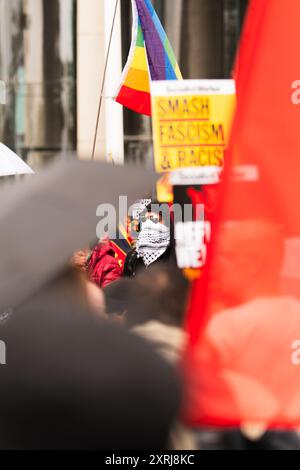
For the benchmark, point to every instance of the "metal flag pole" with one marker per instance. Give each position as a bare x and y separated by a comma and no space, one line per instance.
103,79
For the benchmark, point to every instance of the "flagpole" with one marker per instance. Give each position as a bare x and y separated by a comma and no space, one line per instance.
103,79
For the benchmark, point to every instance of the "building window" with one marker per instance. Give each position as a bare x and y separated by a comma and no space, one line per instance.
37,63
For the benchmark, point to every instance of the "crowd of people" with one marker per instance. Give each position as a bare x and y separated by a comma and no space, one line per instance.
97,362
142,290
147,294
99,356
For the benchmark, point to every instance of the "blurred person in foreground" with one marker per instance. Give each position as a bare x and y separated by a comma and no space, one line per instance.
152,306
74,382
249,334
157,307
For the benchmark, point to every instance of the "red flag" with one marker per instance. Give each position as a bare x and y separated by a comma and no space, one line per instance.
244,317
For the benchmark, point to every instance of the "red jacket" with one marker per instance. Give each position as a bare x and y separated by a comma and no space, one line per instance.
103,267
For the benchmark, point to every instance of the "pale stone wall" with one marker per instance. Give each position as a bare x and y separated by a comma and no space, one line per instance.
94,19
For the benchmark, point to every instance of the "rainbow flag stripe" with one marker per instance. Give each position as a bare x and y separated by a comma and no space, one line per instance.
151,57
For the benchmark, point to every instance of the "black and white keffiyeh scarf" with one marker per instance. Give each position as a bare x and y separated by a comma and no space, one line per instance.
152,242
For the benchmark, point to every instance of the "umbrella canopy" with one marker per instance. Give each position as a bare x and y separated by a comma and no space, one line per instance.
45,219
71,382
11,164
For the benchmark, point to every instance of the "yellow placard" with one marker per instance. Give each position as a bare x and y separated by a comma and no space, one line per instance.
191,130
164,189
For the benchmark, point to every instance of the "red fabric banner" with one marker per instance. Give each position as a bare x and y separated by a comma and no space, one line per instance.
243,364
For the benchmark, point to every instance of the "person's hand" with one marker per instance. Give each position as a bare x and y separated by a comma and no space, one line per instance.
79,259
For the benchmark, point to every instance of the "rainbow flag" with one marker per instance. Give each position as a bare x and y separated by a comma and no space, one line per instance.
151,57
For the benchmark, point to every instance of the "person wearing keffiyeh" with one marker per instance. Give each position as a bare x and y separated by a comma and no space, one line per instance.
153,242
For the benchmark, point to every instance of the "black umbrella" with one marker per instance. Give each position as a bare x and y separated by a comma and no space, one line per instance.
47,217
74,382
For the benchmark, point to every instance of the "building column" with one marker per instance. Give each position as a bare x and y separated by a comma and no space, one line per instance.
202,39
33,64
173,22
114,128
2,92
94,19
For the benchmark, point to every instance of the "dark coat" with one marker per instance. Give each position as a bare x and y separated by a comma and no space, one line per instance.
133,264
